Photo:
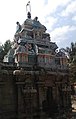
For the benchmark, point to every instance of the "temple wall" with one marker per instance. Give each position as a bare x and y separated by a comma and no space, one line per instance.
35,95
8,97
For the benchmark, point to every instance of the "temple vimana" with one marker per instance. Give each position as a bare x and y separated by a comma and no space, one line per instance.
34,77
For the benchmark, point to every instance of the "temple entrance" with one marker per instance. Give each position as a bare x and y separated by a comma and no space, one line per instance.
49,105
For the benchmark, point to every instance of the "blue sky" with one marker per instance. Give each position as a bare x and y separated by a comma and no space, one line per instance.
59,16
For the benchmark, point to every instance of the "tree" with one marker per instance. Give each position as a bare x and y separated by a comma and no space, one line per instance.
4,49
72,61
1,52
71,53
7,46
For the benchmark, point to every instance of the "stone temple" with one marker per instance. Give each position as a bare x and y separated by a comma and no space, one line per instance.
34,77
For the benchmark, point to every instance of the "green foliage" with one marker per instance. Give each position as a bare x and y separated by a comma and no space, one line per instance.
71,53
7,46
1,52
4,49
72,61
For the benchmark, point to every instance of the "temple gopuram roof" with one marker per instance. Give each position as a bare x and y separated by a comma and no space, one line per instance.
32,45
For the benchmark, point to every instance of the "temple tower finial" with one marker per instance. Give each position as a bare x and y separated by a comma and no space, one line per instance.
28,10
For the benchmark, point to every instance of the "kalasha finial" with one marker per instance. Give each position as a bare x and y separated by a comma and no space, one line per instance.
28,10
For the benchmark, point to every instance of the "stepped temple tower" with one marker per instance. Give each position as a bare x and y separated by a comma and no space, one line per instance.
34,77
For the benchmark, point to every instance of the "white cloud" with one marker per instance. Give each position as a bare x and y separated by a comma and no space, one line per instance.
60,33
15,10
52,5
72,28
49,22
74,18
43,11
70,9
10,12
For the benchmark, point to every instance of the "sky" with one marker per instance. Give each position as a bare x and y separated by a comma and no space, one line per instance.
59,17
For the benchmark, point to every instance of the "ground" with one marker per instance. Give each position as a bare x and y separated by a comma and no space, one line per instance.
74,106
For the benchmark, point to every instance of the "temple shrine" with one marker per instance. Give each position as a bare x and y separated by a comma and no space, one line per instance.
34,77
